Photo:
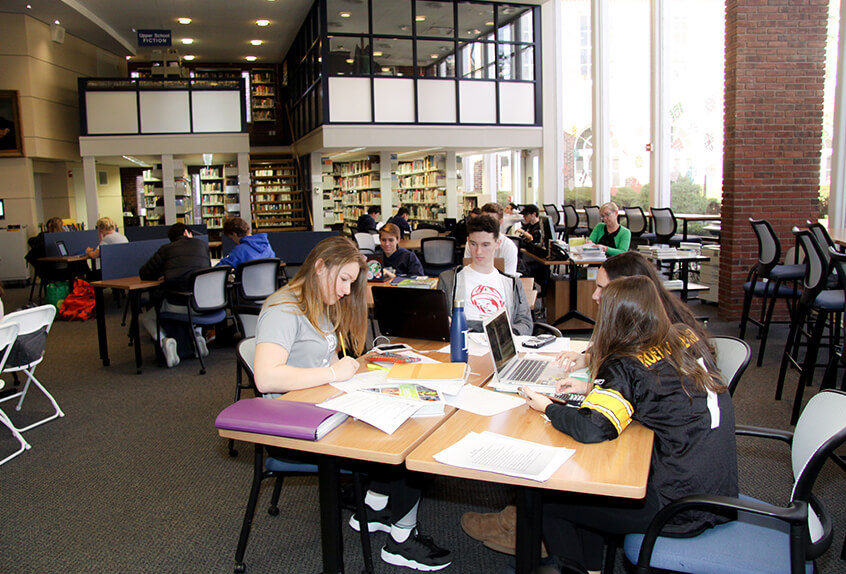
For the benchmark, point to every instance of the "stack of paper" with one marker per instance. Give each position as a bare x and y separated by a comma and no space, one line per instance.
492,452
432,402
448,378
384,412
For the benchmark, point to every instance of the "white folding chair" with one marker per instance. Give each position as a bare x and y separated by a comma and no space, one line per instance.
424,233
28,351
366,242
8,334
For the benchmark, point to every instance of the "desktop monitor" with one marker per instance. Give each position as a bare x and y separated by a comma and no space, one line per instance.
547,230
2,210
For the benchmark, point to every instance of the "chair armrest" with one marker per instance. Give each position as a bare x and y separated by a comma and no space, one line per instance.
761,432
796,514
179,296
545,328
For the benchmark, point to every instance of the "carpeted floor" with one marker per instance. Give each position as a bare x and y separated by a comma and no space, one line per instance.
135,479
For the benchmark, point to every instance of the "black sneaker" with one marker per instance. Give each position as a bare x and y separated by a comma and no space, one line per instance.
417,552
377,520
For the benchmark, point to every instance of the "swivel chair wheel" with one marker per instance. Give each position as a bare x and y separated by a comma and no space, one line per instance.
233,453
273,510
240,568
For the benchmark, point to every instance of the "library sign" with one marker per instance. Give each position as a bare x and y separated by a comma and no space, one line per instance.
154,38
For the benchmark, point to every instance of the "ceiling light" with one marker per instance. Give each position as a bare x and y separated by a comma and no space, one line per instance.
345,14
129,57
187,40
56,22
377,54
475,31
135,160
208,158
29,6
488,23
420,18
350,61
404,28
184,21
250,58
386,69
319,60
433,56
262,22
340,47
256,42
188,57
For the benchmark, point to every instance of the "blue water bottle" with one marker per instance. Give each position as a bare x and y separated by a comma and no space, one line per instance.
458,334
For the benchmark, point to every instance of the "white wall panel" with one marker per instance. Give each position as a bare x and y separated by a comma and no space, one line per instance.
165,112
436,101
111,112
477,102
216,111
516,103
393,100
349,100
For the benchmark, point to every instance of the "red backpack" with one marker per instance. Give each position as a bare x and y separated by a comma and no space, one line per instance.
79,305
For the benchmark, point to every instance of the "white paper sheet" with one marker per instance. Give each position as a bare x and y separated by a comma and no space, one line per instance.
492,452
384,412
361,381
483,402
478,345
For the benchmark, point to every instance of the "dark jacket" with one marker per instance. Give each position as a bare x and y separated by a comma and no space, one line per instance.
250,247
401,222
403,262
175,261
366,223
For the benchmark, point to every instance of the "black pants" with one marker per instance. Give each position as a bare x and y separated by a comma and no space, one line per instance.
403,488
573,526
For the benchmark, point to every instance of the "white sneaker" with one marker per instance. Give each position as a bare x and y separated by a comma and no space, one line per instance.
169,350
202,346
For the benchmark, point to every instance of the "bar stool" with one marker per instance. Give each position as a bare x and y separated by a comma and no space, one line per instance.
816,305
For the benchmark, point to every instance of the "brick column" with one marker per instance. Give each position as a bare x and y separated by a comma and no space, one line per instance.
775,65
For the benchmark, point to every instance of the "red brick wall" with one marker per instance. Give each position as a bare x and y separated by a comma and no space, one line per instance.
775,64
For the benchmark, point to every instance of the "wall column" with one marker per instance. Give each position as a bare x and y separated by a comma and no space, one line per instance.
386,191
659,158
244,188
551,185
89,167
316,170
601,159
451,186
837,192
168,189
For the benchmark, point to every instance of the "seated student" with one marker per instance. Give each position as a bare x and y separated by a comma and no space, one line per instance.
397,260
109,235
484,289
367,222
507,249
300,329
645,369
460,229
174,262
511,218
247,246
609,235
401,221
531,229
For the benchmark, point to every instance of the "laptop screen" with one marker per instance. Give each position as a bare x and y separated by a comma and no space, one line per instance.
63,250
499,335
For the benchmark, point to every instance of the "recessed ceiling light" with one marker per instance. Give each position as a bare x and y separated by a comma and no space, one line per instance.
399,73
187,40
420,18
256,42
184,21
377,54
345,14
319,60
386,69
250,58
433,56
56,22
262,22
340,47
488,23
29,6
188,57
350,60
129,57
476,31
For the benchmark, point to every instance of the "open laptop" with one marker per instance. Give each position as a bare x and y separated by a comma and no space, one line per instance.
510,371
63,249
411,312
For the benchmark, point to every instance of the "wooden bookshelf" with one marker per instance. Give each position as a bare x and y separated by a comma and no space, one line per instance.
154,195
263,92
277,202
358,184
421,187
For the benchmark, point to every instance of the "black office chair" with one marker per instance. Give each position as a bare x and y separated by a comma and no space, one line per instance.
571,221
438,254
254,282
637,225
732,359
838,356
592,216
552,212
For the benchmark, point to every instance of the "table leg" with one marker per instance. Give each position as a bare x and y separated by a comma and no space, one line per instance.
100,312
573,312
529,520
685,271
330,516
684,230
135,304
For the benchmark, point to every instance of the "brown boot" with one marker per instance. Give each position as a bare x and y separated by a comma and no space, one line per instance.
506,543
483,526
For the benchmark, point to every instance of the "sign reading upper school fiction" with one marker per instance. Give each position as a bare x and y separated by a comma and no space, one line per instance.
154,38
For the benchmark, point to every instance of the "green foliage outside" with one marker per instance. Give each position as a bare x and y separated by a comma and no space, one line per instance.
824,192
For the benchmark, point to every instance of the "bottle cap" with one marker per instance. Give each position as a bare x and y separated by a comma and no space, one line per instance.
459,303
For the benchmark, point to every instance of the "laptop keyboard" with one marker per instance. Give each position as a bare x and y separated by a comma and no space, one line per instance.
527,370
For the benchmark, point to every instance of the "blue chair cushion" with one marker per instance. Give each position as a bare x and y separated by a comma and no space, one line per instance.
751,543
292,467
831,300
788,272
199,319
769,286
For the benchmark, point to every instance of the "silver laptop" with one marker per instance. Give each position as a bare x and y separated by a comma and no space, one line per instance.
510,371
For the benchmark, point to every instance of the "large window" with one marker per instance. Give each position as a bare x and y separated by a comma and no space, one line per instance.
828,104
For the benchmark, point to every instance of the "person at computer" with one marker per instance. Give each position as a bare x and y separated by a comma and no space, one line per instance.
484,289
507,249
248,246
401,221
367,223
609,235
511,218
108,234
300,330
531,228
649,370
397,260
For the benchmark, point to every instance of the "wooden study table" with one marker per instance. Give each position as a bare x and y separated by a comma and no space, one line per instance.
686,217
64,258
684,261
578,298
133,286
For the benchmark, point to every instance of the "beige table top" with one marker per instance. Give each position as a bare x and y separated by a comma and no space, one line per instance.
64,258
126,283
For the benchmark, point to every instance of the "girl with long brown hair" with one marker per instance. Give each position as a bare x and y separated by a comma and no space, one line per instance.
646,369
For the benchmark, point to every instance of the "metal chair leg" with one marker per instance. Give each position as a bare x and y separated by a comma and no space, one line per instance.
273,509
258,475
807,372
792,336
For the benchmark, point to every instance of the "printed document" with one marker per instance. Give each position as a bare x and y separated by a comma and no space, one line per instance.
384,412
483,402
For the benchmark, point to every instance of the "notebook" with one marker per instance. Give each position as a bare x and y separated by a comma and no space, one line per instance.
448,378
291,419
411,312
510,371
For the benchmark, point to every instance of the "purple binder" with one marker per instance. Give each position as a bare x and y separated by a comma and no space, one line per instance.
290,419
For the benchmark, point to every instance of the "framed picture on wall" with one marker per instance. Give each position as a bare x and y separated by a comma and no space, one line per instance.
11,143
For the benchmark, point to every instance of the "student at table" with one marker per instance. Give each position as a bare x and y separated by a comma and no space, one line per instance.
109,235
507,249
248,246
367,222
649,370
300,330
609,235
484,289
531,229
511,218
397,260
401,221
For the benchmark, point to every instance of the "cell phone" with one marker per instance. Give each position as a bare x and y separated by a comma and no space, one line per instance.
392,347
539,341
568,399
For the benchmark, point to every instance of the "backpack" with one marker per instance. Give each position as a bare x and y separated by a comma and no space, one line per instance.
79,304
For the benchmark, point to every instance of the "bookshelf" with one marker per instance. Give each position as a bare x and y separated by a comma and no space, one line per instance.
212,197
357,183
154,195
277,202
263,94
421,187
333,196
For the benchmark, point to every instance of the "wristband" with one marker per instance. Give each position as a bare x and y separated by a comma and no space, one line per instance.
334,376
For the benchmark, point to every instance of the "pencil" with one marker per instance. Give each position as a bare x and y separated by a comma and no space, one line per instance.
343,348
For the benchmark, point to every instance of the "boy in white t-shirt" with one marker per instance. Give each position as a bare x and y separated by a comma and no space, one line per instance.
485,290
507,249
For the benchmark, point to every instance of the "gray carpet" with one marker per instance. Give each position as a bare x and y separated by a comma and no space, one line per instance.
135,478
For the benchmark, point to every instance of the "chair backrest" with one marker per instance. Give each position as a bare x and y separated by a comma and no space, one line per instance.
438,250
635,220
246,356
552,213
423,233
821,235
821,429
592,215
571,217
816,268
31,320
33,326
365,241
732,359
665,223
209,291
769,248
499,263
8,334
257,279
